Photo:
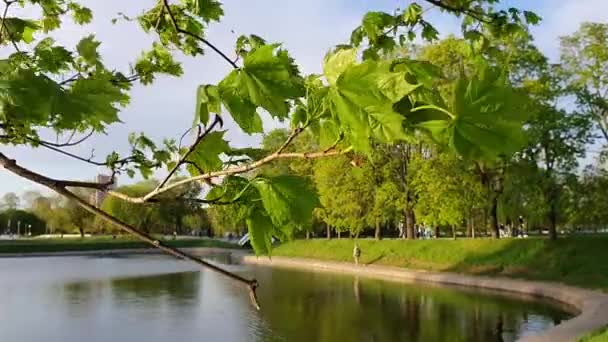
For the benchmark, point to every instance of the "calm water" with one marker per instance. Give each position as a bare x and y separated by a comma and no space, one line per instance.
154,298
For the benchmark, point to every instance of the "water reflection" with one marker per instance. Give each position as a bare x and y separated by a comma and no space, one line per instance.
334,308
127,299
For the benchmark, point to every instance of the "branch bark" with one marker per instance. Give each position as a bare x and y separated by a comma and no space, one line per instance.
60,187
227,172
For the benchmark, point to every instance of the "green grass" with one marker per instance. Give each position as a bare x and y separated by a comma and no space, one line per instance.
599,336
96,243
579,261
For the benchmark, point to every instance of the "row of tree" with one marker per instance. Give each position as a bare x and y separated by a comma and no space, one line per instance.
537,176
540,179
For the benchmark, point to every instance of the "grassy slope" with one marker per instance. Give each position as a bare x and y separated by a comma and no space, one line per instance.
95,243
579,261
600,336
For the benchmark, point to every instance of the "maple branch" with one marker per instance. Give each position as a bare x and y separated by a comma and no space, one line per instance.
10,37
69,154
195,36
467,11
60,188
185,156
229,172
294,133
68,143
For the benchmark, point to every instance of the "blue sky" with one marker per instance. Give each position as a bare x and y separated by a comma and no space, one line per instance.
306,28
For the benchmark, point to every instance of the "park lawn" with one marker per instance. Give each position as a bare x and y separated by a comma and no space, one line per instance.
599,336
97,243
578,261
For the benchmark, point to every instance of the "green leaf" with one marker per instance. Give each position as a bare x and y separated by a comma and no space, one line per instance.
485,123
207,153
429,32
209,10
207,101
260,228
287,199
52,58
335,63
437,129
87,49
413,14
328,133
362,99
268,79
298,117
423,72
531,18
157,60
242,110
374,23
18,29
82,15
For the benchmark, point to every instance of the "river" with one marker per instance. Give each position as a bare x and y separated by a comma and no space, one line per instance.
152,298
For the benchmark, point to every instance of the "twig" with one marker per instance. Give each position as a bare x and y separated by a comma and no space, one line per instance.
294,133
474,14
200,138
69,154
10,37
197,37
67,143
52,184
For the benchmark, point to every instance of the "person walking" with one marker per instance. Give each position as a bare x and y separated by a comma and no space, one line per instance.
356,253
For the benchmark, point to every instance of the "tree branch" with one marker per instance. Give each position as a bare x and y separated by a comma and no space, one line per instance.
68,143
197,37
228,172
12,166
294,133
8,4
198,140
69,154
57,186
467,11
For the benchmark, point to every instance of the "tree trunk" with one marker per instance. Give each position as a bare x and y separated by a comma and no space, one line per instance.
469,228
307,235
328,228
436,232
553,219
454,232
81,230
339,234
494,217
410,221
378,233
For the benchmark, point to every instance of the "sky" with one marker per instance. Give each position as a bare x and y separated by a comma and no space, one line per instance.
307,29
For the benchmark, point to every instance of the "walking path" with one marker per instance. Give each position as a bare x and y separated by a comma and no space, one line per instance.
592,305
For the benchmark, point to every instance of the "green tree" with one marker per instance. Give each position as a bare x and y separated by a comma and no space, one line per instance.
584,62
144,217
345,193
10,200
21,220
447,190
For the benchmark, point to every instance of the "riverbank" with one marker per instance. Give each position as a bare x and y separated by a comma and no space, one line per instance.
72,246
592,306
577,261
